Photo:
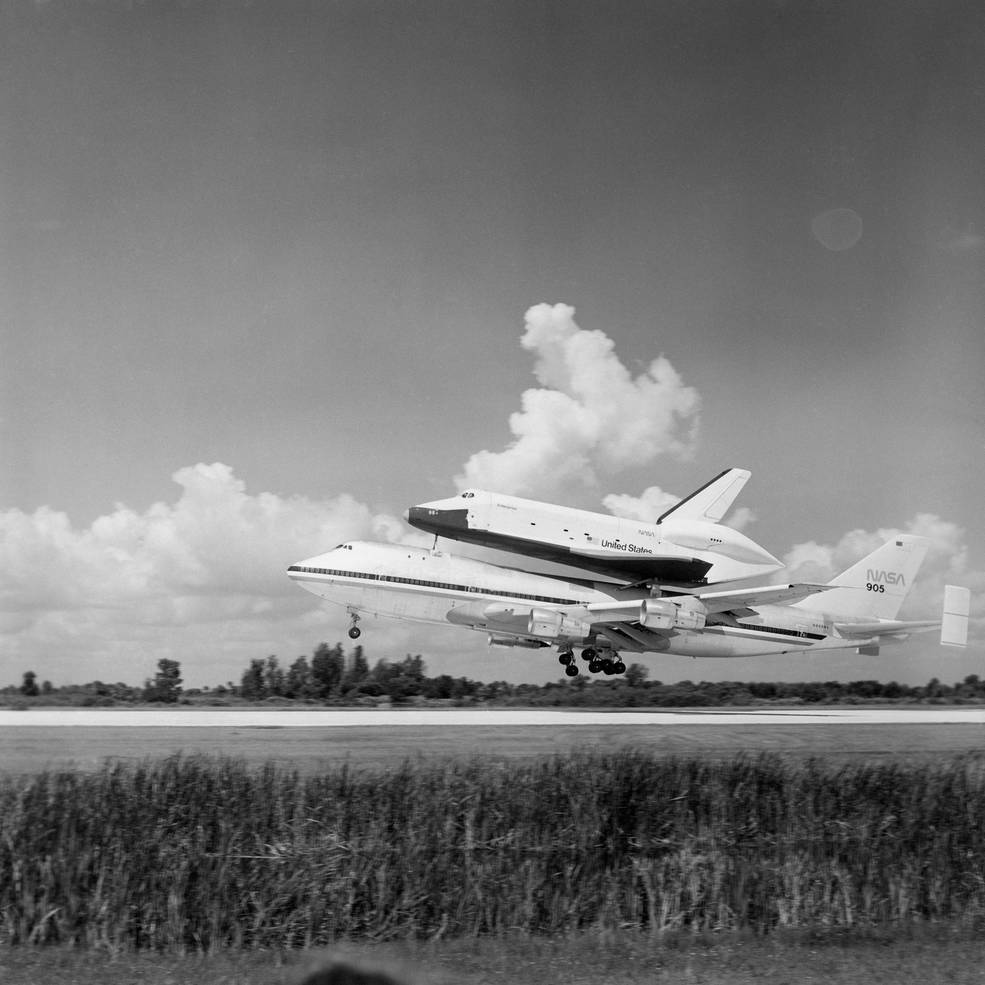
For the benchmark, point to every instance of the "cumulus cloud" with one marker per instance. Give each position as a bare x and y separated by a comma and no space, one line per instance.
208,568
216,538
653,502
590,415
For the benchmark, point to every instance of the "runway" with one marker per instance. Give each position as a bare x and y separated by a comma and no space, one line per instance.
311,740
370,718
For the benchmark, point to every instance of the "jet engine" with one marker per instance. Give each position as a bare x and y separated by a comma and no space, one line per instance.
551,623
663,614
536,621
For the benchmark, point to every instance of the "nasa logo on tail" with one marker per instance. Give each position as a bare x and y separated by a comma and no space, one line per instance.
877,579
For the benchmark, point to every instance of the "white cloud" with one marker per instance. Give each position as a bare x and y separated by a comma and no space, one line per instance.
589,417
653,502
192,577
741,519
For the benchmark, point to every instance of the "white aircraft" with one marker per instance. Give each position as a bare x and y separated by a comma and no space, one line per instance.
686,545
858,609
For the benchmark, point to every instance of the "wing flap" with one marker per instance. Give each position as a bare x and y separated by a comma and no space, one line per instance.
633,637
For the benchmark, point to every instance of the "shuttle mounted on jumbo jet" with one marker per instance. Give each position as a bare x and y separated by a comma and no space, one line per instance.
857,610
687,545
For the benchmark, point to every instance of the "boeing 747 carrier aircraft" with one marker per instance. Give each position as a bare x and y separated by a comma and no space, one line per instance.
858,609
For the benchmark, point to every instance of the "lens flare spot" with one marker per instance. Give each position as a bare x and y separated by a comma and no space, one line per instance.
837,229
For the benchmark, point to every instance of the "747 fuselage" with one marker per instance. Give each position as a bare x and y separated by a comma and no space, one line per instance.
517,608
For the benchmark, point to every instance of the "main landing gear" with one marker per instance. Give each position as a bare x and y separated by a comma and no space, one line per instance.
566,657
354,631
599,661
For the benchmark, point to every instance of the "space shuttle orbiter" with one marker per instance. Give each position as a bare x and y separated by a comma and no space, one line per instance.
686,545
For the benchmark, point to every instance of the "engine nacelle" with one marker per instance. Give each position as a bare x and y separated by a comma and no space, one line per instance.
544,622
554,624
474,614
663,614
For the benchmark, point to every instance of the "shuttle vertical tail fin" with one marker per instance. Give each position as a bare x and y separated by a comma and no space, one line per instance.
712,501
876,586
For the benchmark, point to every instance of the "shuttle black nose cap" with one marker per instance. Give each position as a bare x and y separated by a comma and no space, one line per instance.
436,521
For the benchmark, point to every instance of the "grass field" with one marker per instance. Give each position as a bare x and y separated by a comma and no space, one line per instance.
887,763
204,853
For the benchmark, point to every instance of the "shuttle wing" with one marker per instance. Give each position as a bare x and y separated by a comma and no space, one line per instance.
680,570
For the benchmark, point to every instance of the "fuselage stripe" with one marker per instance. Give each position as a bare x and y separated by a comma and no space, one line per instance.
446,586
776,630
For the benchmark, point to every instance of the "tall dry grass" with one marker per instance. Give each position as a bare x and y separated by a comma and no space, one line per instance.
186,854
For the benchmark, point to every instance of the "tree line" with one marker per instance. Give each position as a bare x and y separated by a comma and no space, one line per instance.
332,676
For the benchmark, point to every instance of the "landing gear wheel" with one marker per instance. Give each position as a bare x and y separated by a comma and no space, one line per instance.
565,657
571,670
594,666
589,654
620,667
354,631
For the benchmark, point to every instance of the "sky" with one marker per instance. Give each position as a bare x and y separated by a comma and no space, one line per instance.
272,273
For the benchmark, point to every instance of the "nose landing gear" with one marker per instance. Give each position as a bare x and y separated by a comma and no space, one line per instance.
566,657
354,631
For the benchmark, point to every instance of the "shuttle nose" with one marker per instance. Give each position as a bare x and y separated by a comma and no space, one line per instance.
435,520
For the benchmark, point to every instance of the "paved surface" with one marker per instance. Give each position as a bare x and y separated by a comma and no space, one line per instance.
342,718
